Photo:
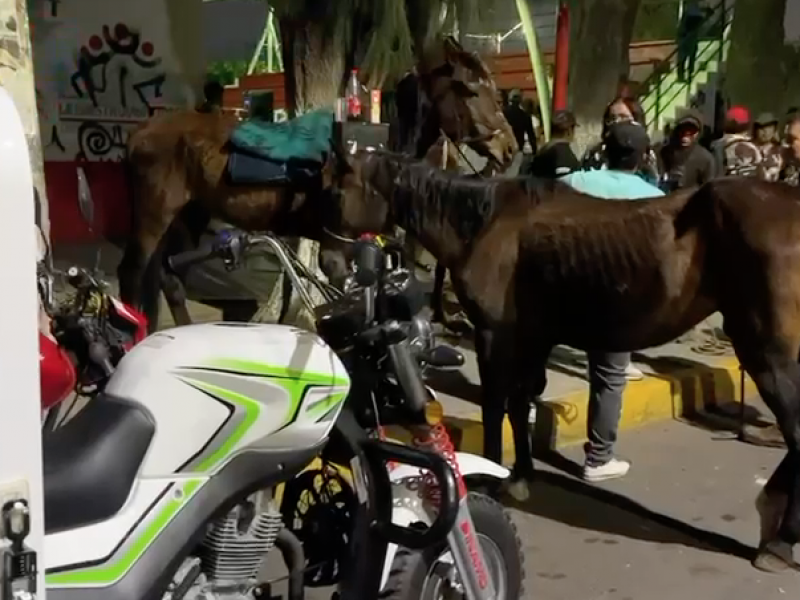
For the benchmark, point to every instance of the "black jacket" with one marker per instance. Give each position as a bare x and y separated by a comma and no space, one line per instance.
555,159
686,167
521,124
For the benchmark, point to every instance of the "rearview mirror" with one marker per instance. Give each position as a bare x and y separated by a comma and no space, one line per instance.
85,202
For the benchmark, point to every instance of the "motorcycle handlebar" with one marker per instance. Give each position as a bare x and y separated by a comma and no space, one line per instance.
189,258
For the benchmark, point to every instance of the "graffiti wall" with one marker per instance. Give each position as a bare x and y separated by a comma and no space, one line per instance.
101,67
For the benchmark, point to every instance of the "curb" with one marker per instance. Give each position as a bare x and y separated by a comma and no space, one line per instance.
561,421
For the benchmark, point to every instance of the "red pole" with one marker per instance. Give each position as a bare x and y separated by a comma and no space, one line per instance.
561,78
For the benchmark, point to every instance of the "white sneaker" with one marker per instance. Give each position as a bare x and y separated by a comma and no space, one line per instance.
632,373
611,470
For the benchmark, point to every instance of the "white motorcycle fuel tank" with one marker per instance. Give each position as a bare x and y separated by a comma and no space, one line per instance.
198,416
217,388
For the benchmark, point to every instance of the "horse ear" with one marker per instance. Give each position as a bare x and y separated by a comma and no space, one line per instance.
452,49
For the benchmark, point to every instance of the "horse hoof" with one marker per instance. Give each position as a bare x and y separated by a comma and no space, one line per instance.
775,557
770,509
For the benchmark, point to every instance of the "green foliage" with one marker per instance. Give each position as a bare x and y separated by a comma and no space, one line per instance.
228,71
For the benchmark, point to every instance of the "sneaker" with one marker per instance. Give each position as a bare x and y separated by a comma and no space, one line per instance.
611,470
632,373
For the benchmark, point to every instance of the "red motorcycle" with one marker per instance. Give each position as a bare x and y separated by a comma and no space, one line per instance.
90,335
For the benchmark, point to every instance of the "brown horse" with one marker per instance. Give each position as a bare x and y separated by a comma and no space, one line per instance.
178,160
536,264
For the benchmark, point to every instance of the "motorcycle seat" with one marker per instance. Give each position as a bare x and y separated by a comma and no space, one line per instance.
91,462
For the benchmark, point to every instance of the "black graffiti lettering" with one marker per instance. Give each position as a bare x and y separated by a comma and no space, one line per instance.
155,83
55,140
96,141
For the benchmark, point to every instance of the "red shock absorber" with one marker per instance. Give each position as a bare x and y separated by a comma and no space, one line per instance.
436,439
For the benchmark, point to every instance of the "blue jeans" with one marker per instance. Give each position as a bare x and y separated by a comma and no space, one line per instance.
606,384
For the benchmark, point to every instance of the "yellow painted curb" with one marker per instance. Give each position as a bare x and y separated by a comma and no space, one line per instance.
562,421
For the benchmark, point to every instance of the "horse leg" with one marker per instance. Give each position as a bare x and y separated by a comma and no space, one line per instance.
437,299
183,234
519,409
139,274
776,373
494,391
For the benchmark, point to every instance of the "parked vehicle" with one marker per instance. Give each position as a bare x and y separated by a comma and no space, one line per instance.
164,485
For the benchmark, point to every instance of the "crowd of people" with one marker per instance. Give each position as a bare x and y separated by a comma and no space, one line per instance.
625,165
689,155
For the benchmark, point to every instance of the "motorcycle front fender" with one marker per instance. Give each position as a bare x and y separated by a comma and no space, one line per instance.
409,507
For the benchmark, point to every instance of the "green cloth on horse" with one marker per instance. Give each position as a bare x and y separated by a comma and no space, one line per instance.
305,139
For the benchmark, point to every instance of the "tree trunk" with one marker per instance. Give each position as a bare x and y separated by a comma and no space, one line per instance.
761,70
16,75
314,67
601,35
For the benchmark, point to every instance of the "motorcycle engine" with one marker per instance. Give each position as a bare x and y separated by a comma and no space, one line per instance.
225,566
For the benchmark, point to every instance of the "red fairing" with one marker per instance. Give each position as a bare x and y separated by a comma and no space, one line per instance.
56,372
134,322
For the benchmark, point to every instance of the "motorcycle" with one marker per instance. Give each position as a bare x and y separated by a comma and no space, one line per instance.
88,336
376,331
164,485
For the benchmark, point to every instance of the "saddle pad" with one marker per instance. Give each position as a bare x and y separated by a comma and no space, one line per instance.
245,169
306,139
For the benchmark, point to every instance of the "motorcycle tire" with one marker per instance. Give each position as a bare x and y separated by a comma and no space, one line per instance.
409,575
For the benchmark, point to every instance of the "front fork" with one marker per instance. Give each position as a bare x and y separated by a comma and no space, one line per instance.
463,539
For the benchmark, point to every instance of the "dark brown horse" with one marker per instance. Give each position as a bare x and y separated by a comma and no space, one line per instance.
178,160
537,264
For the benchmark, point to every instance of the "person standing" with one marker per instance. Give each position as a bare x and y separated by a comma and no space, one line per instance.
520,121
689,38
626,147
790,163
556,157
622,108
735,153
765,136
684,162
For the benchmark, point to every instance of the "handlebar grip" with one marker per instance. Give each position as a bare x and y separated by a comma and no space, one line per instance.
406,370
368,257
186,259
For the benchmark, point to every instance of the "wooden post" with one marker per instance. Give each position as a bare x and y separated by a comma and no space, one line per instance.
16,76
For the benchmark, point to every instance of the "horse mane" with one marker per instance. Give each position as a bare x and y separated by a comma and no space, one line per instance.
425,196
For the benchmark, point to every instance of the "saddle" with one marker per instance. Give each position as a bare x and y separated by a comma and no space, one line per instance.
287,153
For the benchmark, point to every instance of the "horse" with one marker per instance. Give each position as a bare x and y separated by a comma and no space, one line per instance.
536,264
177,163
419,142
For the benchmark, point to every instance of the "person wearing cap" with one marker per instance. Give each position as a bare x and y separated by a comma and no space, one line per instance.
765,136
556,157
626,147
684,162
520,121
735,153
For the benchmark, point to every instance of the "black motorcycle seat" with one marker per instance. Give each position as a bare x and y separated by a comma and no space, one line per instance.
91,462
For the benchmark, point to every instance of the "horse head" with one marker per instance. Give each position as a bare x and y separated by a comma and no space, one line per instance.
460,101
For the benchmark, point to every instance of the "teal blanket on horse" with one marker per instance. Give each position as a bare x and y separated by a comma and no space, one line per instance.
305,139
